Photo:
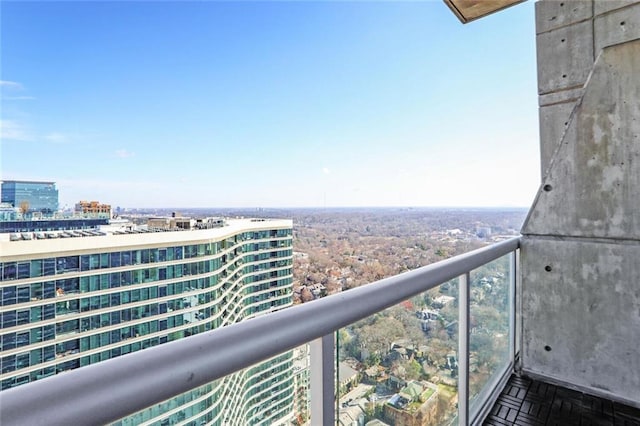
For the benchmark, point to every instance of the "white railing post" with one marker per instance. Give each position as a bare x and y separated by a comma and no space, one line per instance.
463,349
322,377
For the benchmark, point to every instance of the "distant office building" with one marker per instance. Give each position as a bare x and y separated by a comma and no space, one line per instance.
92,208
30,196
75,301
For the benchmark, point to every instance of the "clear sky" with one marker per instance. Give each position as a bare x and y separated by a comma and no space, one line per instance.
270,104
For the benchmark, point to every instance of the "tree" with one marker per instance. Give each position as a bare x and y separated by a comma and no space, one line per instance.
24,207
306,295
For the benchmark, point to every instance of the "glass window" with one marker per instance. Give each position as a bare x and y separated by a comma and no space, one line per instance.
49,290
85,305
9,319
8,341
94,341
94,302
126,278
49,311
36,268
49,266
23,294
115,299
36,313
104,339
23,317
115,259
9,271
36,356
24,270
35,335
84,284
36,291
8,364
94,261
84,263
94,283
22,338
9,295
49,332
67,264
105,281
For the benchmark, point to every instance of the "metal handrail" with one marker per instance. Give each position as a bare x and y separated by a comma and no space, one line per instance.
107,391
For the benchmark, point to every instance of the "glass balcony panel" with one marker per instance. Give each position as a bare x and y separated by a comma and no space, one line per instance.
400,365
489,328
263,394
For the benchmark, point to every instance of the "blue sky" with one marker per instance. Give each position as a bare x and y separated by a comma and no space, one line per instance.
270,104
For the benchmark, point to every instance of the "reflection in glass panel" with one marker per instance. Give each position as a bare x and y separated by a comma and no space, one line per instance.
489,326
400,366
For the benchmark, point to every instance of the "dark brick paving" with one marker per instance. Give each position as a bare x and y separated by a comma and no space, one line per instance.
526,402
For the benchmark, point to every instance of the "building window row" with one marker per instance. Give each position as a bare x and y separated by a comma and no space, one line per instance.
63,264
15,294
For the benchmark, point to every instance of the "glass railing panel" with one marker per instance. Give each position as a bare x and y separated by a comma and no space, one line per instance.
489,328
271,392
400,365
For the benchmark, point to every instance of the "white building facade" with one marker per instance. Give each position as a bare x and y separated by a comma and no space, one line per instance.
71,302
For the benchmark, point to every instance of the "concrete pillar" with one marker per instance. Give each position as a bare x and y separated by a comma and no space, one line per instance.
581,240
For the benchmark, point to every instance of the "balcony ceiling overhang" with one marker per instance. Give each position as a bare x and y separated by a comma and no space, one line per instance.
469,10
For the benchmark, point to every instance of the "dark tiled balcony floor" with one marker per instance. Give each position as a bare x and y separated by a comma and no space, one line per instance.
526,402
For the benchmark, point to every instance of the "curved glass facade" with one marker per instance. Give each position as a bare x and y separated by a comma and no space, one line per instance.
77,306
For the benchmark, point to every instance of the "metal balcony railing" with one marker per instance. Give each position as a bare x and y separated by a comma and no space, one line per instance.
110,390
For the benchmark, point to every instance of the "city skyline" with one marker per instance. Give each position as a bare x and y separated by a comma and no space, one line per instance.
292,104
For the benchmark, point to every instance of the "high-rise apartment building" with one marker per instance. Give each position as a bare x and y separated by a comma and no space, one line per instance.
30,196
72,302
